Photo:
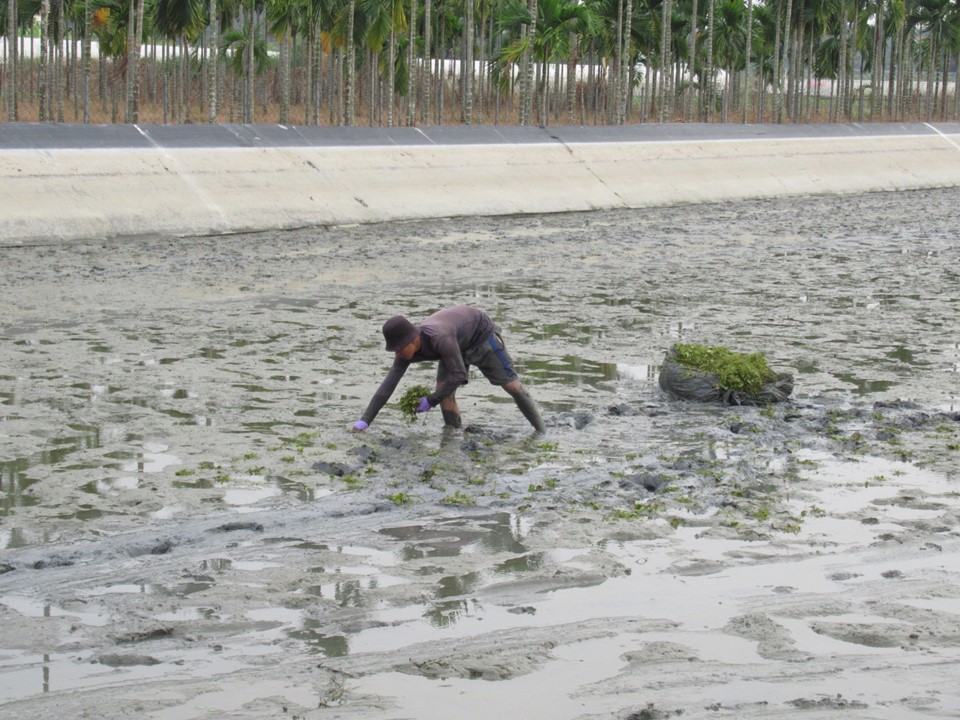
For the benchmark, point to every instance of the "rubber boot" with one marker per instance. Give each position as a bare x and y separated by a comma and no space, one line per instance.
529,409
451,419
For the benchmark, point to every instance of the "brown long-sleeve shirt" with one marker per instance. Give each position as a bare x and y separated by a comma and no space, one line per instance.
444,336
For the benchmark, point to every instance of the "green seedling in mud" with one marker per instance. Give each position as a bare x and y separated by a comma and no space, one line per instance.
735,371
352,481
459,498
302,441
400,498
548,484
186,472
639,510
410,399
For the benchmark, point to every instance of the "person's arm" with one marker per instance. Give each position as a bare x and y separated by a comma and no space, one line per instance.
384,392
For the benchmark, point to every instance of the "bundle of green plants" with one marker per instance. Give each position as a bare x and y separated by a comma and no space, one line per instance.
410,399
735,371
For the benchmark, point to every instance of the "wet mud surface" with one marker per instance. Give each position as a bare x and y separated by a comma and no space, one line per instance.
188,529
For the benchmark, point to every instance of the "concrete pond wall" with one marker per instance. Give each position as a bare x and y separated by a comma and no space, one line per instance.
65,183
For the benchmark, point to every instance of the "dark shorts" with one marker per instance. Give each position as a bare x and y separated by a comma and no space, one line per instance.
490,357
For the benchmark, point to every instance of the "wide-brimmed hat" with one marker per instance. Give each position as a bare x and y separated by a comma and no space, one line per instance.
399,332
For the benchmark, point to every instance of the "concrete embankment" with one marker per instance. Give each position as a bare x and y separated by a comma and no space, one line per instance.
62,183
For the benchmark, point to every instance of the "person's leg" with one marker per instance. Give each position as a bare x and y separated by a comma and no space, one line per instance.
493,360
526,404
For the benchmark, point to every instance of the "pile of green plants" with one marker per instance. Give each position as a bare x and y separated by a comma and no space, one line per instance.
747,373
410,399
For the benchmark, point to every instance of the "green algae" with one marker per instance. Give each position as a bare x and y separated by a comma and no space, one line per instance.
734,371
410,399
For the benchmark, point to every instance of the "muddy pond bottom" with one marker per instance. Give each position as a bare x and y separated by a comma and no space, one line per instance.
188,528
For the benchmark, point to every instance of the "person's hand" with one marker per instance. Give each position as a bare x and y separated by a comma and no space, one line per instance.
423,405
360,426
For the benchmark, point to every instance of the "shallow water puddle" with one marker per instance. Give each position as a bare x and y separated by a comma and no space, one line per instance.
449,537
575,370
861,491
34,608
706,604
240,498
34,674
153,459
526,696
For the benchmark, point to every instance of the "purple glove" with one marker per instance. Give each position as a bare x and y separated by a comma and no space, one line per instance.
423,406
360,426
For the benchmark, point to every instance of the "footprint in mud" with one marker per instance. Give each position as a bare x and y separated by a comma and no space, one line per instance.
828,703
774,641
875,636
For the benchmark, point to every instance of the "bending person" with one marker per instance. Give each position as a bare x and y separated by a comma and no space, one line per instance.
457,337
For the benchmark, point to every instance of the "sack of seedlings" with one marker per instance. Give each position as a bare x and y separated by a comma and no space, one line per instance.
719,375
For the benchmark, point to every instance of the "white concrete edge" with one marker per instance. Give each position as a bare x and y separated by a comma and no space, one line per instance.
53,195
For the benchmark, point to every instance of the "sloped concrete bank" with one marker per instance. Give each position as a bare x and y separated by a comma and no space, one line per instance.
64,183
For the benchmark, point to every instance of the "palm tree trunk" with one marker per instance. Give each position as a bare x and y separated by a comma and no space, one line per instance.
482,84
572,60
692,110
928,114
427,60
893,81
468,64
138,35
44,40
784,108
411,68
250,69
746,62
316,77
956,88
710,70
59,66
351,60
212,59
527,88
11,67
665,58
390,75
441,85
616,64
842,69
187,85
131,43
285,77
85,61
625,64
876,80
799,64
852,51
944,81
